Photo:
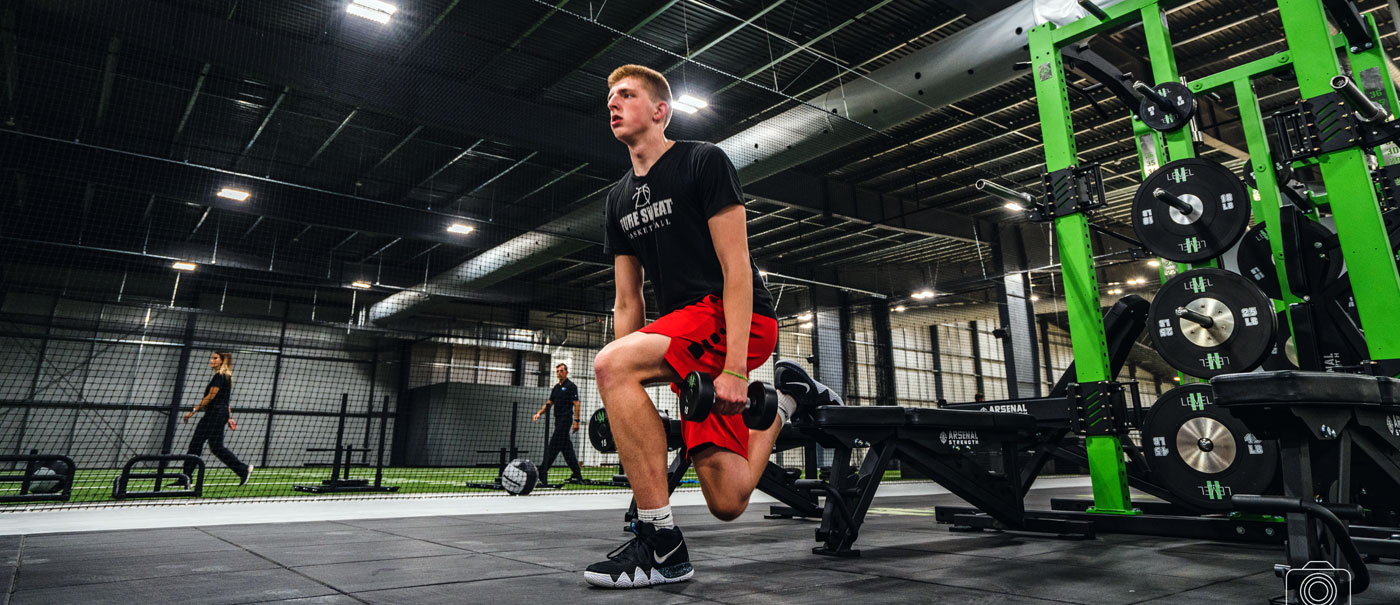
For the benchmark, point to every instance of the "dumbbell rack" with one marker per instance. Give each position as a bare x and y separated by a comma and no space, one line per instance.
1354,203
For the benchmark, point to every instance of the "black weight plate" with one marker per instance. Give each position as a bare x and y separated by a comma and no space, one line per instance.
697,396
1219,218
1321,262
1241,338
1183,108
762,410
599,433
1202,453
1284,355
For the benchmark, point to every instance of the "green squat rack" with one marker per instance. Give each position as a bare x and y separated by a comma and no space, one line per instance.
1190,211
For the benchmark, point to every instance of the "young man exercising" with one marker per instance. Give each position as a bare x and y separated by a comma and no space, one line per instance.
677,218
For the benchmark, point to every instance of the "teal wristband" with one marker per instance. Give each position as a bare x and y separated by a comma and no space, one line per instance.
733,373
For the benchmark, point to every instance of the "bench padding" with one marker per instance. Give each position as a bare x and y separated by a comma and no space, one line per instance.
1291,386
971,420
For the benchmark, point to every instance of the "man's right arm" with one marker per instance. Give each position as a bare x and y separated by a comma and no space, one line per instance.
629,308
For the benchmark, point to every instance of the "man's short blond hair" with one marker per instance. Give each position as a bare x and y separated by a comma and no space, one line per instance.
652,80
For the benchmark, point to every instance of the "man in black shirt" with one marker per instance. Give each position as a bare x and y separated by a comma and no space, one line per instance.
677,218
564,398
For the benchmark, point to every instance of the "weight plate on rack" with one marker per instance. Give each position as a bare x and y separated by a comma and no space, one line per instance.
1284,355
1216,218
1181,107
599,433
1322,263
1208,322
1201,453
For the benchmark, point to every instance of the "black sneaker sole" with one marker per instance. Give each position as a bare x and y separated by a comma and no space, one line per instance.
640,578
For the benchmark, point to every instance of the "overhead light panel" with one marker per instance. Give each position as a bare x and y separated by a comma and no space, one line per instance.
1013,206
1034,298
362,284
683,107
1154,263
805,316
182,266
374,10
460,228
236,195
695,102
899,309
922,295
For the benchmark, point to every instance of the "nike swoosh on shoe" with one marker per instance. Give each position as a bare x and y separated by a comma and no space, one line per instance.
660,560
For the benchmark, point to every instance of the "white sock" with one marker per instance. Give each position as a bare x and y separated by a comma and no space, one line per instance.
659,517
786,406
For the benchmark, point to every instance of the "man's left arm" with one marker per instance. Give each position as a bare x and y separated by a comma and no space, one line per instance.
729,231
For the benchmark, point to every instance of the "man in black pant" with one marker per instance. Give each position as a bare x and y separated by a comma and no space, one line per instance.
564,398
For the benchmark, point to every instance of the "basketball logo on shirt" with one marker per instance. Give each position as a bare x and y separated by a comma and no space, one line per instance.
642,196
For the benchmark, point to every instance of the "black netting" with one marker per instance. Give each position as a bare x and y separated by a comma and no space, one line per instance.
394,230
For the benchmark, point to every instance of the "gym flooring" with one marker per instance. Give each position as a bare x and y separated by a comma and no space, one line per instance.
538,556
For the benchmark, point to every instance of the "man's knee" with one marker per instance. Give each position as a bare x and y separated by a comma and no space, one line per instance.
609,366
728,508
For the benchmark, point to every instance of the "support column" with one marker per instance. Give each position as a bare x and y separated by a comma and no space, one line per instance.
179,391
885,390
1016,314
828,350
937,350
976,356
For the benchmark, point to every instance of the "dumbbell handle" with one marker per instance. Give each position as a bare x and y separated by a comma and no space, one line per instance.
699,391
1203,320
1167,198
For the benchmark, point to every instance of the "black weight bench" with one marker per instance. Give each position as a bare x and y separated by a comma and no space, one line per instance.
1339,438
936,442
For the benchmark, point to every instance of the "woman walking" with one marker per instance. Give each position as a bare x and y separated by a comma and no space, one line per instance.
216,415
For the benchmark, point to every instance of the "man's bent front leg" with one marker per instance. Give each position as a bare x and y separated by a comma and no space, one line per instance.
621,369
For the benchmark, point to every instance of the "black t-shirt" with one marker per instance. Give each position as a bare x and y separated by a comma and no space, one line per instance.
219,406
562,399
662,219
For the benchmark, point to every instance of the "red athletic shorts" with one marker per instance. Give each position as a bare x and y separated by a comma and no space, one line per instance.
698,344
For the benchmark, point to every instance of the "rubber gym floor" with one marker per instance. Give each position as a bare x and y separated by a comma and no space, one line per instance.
500,557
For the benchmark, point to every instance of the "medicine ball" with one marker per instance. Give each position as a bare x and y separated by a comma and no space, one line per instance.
48,479
519,477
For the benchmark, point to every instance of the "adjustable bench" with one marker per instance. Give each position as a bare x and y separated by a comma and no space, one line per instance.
1339,438
936,442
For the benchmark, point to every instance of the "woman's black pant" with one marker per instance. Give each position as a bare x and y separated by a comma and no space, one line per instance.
559,443
211,429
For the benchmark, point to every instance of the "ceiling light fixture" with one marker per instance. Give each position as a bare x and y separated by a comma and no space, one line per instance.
1013,206
374,10
805,316
683,107
806,325
182,266
460,228
899,309
1154,263
922,295
236,195
692,101
362,284
1034,298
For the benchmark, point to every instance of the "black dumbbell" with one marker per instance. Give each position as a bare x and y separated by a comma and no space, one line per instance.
698,398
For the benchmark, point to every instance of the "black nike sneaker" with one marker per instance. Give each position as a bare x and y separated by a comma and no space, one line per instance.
654,556
790,378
